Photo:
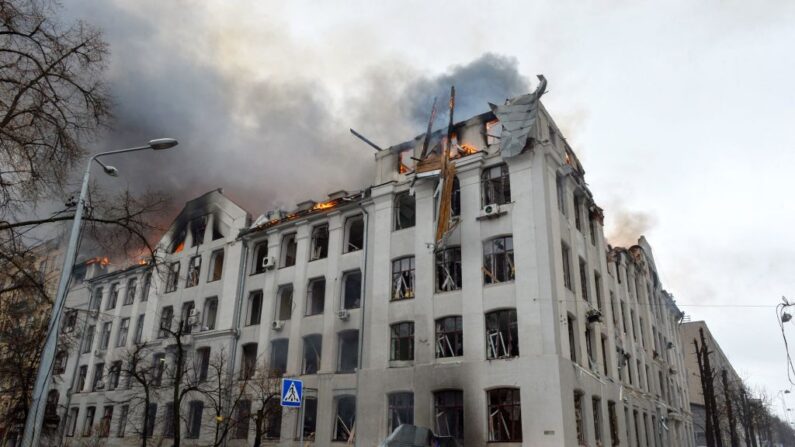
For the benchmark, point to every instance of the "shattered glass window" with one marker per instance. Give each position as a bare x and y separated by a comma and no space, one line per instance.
448,269
449,413
505,415
498,263
344,425
197,228
285,310
406,162
354,234
502,336
194,270
352,289
403,278
496,185
313,346
401,410
449,337
402,341
289,248
349,351
315,297
319,242
404,211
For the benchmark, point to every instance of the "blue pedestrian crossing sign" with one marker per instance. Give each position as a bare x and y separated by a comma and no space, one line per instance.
292,393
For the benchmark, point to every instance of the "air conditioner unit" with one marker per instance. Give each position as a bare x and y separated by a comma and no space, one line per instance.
99,353
194,313
268,262
490,210
277,325
343,314
197,261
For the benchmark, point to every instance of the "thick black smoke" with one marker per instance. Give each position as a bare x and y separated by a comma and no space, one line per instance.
266,142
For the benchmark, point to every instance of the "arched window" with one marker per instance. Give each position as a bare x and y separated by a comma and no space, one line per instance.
505,415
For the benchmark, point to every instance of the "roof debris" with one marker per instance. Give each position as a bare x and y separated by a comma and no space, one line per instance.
518,117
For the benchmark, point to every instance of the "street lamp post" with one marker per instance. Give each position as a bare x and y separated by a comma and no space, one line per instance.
35,417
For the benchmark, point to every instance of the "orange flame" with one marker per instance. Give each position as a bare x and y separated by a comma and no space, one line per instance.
324,205
468,149
180,247
103,261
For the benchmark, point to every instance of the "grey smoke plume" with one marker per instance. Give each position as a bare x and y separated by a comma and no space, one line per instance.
266,141
625,227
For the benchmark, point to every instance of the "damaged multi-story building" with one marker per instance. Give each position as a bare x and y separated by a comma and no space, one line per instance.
469,290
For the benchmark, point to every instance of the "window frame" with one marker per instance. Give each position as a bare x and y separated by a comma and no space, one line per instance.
130,291
397,341
259,257
455,404
289,244
311,307
214,263
193,277
403,270
172,278
312,342
492,253
346,276
488,185
456,345
349,223
317,252
344,337
399,404
398,204
254,308
509,347
281,299
445,261
512,406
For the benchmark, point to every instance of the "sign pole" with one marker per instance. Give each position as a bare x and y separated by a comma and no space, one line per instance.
303,413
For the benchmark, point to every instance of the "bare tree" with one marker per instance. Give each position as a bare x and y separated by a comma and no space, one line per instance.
143,372
264,384
52,97
223,395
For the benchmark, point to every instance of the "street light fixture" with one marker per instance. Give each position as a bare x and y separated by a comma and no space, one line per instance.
35,416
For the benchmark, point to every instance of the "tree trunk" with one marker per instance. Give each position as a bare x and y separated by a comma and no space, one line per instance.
178,371
258,423
709,380
708,431
735,442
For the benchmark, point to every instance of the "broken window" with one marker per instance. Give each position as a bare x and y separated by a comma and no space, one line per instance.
310,418
104,423
99,372
449,413
96,299
455,200
216,265
493,132
349,351
69,321
243,416
89,340
406,162
220,229
104,335
345,420
188,316
149,422
313,346
572,326
448,269
289,248
121,337
113,375
113,297
166,317
60,362
403,278
589,347
577,212
194,269
354,234
597,420
178,243
319,242
560,183
82,374
505,415
352,290
51,407
285,310
195,411
498,260
202,363
613,419
158,368
502,337
278,361
139,329
401,410
254,308
404,210
197,228
449,337
604,355
402,346
496,185
260,256
172,277
71,421
129,296
315,296
147,285
210,313
88,421
248,364
578,418
583,279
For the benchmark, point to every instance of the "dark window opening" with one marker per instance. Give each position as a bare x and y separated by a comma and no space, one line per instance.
158,368
243,417
578,418
577,212
216,265
449,413
113,296
197,228
210,313
403,278
354,234
611,414
188,316
402,341
313,346
129,296
173,277
496,185
505,415
260,256
455,202
202,363
560,183
502,337
194,270
99,372
289,249
345,420
349,351
166,319
315,297
285,310
96,299
319,242
248,365
448,269
195,411
279,356
273,420
449,337
88,422
597,420
583,279
404,211
147,286
149,420
254,308
104,423
572,338
178,243
310,418
401,410
352,289
498,263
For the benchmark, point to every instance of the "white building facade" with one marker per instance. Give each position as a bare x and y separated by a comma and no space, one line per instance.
524,327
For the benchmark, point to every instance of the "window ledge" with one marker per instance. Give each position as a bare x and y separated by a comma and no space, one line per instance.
499,213
400,363
501,283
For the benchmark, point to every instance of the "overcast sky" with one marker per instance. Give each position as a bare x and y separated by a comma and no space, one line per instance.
680,112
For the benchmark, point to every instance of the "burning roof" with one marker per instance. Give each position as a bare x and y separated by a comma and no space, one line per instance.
277,217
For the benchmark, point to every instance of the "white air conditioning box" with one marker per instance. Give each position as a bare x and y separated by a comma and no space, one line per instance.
268,262
490,210
343,314
277,325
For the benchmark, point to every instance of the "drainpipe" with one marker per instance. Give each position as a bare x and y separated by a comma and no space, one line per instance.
361,309
241,282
